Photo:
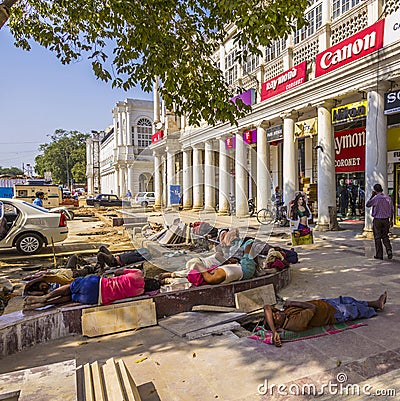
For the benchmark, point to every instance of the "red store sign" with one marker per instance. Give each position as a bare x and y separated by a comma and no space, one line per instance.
157,136
353,48
350,150
285,81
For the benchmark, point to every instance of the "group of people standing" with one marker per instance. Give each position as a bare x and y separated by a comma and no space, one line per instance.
351,198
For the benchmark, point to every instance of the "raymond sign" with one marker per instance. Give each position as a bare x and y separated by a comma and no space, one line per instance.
157,136
350,150
306,128
353,48
350,112
285,81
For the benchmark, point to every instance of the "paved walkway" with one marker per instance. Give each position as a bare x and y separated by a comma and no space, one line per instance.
235,369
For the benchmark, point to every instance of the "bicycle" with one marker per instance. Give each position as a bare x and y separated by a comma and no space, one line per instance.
272,215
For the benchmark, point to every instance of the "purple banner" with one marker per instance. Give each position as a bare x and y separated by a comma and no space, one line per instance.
248,97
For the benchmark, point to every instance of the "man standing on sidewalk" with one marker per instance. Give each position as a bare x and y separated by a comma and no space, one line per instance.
382,212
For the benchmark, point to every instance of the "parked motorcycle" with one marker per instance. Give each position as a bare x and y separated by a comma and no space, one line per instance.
68,213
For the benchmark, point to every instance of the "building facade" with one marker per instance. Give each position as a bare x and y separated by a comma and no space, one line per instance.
317,124
125,161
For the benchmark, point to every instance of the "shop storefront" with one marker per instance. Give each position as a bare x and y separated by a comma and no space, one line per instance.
392,110
349,133
275,140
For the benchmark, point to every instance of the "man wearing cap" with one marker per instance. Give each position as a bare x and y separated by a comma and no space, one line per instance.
382,212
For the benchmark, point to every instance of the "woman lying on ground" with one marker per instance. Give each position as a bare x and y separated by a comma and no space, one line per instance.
96,290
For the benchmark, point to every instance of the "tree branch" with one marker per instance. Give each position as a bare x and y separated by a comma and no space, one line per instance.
5,11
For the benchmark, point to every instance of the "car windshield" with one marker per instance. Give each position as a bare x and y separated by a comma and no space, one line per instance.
42,209
140,194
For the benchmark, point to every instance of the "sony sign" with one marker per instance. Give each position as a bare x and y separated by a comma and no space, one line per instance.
392,102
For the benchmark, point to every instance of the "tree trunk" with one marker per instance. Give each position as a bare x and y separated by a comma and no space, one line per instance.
5,7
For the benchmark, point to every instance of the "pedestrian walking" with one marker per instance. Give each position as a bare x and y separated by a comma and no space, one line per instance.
39,199
382,212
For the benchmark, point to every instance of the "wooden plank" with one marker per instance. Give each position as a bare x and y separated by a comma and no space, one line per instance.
169,235
80,383
98,385
89,393
116,305
187,322
256,298
119,318
129,384
113,383
213,308
221,328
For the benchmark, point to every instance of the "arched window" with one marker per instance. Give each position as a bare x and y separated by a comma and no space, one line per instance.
144,131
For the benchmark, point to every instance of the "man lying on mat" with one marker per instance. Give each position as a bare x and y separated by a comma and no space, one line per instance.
300,316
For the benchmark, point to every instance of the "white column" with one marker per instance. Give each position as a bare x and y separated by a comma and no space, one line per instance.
241,181
209,177
115,120
117,180
197,179
122,181
120,130
164,179
170,171
375,149
130,181
290,163
263,176
326,166
128,128
224,179
156,100
158,188
187,179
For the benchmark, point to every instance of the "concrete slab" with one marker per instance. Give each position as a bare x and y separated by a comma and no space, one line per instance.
42,383
345,346
184,323
219,329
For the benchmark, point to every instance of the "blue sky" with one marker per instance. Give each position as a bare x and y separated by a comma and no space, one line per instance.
39,95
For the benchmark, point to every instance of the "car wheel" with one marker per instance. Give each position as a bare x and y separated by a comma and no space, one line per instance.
144,204
29,243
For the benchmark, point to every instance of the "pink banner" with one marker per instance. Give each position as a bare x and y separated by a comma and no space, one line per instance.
285,81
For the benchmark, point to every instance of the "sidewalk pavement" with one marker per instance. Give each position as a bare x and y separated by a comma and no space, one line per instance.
238,369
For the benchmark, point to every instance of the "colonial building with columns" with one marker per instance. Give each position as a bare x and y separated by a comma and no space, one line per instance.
325,117
125,160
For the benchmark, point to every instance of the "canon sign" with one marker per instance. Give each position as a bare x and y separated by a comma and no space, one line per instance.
353,48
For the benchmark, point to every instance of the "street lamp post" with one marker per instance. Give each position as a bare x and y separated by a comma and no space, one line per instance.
66,157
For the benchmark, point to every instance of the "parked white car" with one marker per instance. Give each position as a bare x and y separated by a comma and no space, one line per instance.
28,227
145,198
